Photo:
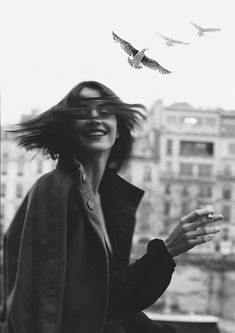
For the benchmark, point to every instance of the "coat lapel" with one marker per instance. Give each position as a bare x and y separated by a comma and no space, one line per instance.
120,200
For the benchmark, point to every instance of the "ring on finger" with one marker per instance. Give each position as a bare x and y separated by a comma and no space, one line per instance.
210,217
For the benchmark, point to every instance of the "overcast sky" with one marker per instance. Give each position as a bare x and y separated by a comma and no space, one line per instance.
50,46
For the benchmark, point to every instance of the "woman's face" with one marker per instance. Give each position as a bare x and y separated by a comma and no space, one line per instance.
97,130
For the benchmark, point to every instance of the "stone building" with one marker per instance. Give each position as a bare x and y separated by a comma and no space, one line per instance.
185,159
195,166
19,170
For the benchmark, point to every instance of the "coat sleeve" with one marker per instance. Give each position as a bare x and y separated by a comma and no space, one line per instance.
36,260
139,285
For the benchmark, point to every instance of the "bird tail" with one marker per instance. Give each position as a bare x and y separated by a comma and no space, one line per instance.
133,63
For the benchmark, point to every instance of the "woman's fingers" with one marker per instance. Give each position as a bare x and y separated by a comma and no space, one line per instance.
192,230
203,221
202,231
201,240
197,215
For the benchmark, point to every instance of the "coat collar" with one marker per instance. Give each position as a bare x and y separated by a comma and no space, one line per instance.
112,183
119,199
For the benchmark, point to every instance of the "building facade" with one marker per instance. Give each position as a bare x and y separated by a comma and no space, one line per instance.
190,158
19,170
195,167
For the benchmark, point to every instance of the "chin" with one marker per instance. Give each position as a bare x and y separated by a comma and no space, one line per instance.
96,147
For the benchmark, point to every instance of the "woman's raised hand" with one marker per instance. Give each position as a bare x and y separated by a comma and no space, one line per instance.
192,230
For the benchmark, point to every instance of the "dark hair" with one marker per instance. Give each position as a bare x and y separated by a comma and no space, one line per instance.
50,131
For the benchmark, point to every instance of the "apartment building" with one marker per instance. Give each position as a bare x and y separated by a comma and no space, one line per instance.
197,165
19,170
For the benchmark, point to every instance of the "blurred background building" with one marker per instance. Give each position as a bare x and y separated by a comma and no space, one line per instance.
185,159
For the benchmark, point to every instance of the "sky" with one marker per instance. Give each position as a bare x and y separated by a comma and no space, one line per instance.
49,46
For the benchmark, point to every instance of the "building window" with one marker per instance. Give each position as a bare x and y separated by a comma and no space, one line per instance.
226,193
169,147
226,211
145,212
147,177
168,189
19,190
166,208
5,155
225,234
191,121
205,191
4,168
184,208
169,166
185,190
190,148
227,170
171,120
20,168
210,121
231,148
186,169
3,189
2,213
228,130
204,170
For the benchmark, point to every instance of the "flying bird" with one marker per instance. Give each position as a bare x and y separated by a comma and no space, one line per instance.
201,30
170,41
138,58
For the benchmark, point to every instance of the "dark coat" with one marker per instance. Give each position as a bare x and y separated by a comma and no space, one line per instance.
58,271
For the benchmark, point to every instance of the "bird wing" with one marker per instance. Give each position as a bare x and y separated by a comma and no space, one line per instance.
179,42
165,37
195,25
127,47
210,29
152,64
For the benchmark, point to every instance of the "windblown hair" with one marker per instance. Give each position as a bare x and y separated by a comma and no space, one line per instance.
51,131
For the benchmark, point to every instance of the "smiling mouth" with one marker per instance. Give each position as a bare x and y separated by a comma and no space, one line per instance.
95,133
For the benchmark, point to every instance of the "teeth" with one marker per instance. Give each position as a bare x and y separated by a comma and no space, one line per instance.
95,133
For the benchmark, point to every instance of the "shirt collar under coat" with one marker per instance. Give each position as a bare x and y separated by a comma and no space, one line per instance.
111,184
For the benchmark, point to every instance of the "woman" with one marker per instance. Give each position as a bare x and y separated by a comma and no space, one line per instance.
68,246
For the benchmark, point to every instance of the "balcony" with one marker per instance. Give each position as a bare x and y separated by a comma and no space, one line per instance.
192,178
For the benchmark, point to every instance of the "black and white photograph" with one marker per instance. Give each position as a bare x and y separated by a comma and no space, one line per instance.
117,166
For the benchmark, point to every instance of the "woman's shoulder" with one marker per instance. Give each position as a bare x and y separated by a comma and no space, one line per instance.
55,180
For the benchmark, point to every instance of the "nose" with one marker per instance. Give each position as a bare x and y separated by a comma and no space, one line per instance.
94,117
94,113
